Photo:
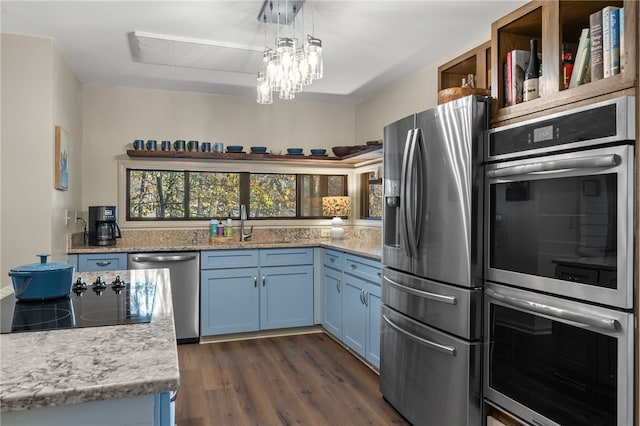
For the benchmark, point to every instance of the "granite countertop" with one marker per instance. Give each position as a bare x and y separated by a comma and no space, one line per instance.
69,366
352,245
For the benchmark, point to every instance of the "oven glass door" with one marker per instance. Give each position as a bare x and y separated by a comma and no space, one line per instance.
563,224
552,361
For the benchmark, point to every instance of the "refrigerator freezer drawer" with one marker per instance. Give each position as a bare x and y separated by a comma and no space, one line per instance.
429,376
455,310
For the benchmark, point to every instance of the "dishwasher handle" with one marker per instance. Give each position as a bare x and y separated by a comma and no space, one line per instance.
163,258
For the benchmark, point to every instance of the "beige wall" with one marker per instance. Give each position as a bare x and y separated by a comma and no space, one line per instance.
33,75
114,116
415,93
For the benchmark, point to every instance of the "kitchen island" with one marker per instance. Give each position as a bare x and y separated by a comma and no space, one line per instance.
113,375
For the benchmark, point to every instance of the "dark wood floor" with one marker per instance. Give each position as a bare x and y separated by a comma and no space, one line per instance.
304,379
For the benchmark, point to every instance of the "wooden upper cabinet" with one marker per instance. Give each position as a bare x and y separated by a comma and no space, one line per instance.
476,61
552,23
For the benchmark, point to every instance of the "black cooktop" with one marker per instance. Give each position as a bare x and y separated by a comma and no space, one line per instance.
89,305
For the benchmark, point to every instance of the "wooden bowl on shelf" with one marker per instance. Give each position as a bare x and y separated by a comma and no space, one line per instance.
341,151
453,93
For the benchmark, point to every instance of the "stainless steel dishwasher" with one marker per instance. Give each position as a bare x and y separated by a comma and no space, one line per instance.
184,270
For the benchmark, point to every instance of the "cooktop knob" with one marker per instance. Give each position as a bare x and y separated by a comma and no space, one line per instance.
99,284
118,283
79,285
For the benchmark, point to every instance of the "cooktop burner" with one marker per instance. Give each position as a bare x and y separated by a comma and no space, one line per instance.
89,305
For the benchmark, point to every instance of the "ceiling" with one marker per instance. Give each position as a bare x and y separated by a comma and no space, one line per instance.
367,45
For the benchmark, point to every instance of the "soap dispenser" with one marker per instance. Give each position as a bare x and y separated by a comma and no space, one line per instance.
228,230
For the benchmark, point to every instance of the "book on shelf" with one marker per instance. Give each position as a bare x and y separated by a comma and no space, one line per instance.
519,63
622,52
614,19
595,35
607,39
505,92
507,80
582,60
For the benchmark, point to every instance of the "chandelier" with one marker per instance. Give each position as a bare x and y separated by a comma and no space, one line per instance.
289,65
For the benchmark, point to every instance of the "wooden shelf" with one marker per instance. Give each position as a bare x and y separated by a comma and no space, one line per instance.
371,152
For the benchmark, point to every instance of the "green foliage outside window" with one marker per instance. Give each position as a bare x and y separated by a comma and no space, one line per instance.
272,195
156,194
214,194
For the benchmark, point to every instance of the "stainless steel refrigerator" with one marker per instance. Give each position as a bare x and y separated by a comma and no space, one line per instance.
430,368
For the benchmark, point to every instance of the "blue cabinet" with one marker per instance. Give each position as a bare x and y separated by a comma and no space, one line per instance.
373,325
354,314
332,287
96,262
286,296
229,300
351,296
250,290
332,301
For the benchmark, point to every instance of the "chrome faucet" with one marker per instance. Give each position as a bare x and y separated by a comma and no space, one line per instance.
243,217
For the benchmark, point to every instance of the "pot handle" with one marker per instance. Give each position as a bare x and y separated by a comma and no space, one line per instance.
19,274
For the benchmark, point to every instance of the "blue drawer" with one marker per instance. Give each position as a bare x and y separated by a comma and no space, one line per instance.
367,269
102,262
286,257
225,259
333,259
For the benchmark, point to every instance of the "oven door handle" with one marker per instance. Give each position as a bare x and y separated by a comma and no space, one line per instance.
600,161
452,300
449,350
595,321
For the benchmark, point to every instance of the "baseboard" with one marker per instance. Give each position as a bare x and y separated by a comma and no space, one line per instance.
262,334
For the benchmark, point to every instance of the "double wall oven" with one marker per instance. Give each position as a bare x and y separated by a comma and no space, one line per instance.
558,305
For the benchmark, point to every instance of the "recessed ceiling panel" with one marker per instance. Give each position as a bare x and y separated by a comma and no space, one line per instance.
178,51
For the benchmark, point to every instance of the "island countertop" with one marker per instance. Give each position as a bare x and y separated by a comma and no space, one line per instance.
69,366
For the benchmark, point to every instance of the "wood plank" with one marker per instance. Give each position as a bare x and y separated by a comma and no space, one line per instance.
299,379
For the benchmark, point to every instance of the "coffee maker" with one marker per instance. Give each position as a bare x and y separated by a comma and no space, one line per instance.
103,227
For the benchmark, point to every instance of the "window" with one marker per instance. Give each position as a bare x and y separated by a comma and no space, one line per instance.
371,196
272,195
198,195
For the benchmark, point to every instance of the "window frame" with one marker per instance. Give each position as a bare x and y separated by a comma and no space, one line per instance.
245,170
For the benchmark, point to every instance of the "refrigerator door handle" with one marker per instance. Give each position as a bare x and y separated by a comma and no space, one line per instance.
451,300
420,190
411,198
404,193
449,350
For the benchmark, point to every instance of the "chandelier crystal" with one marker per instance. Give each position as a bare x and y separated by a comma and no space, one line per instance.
289,66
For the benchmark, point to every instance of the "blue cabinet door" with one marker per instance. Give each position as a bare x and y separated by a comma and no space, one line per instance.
229,301
332,301
373,325
354,314
286,296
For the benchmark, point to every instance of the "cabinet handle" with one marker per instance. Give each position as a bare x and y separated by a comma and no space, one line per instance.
353,266
332,260
255,281
103,263
338,286
264,281
362,296
365,297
